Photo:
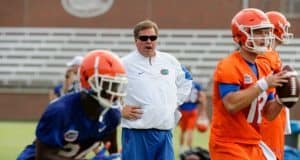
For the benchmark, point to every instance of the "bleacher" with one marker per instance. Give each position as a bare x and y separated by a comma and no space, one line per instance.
33,59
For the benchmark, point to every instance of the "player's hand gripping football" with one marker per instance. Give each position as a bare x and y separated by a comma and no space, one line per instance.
276,80
288,94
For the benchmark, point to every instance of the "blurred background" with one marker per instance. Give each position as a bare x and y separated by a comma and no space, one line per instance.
38,37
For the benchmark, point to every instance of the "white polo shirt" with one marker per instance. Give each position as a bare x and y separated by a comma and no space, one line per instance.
158,86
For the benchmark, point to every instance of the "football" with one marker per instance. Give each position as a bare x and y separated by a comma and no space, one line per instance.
202,123
288,93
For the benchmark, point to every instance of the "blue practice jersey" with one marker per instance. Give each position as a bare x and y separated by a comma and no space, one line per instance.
192,100
64,124
74,87
58,89
187,73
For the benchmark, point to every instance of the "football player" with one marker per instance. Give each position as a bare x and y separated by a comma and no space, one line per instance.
194,105
242,92
70,85
56,92
273,131
74,124
71,82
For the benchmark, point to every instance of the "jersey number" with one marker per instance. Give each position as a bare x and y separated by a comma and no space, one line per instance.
254,115
71,150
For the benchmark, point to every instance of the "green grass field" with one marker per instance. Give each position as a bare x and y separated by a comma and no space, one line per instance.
14,136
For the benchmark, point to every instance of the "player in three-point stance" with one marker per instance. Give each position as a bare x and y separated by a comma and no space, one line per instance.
74,124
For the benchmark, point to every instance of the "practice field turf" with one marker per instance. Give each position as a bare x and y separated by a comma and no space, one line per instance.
14,136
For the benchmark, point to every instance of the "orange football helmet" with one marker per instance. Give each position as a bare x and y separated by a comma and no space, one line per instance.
243,26
281,26
103,75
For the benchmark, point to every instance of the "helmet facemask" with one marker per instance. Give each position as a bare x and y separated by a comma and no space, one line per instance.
108,90
266,40
285,36
103,77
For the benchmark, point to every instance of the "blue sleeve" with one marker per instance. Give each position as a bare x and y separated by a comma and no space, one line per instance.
271,96
112,118
49,127
187,73
225,88
57,89
197,86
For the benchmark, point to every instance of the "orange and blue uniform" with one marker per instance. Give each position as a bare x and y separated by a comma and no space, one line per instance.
273,131
236,136
189,109
272,59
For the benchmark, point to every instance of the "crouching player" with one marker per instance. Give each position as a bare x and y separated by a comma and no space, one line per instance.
74,125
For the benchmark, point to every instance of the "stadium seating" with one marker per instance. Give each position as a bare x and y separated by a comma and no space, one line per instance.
33,59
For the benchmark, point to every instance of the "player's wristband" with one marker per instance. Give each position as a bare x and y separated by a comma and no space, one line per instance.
262,84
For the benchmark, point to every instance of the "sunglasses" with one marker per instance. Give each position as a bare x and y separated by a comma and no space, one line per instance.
145,38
